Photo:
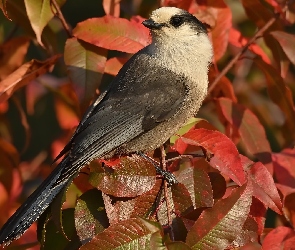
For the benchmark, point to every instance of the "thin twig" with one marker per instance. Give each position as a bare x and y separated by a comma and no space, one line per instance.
258,34
180,157
163,163
61,17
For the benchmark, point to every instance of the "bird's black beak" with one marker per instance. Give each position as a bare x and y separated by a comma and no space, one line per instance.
151,24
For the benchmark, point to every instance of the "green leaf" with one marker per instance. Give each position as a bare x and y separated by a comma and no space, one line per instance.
129,234
40,13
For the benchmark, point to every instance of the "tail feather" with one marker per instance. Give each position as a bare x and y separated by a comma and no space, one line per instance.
37,203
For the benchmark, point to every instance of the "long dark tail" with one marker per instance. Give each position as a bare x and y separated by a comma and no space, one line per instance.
38,201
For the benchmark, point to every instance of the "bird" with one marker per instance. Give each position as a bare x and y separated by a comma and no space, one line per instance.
156,91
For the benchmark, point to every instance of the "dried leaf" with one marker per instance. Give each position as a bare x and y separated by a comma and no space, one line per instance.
12,54
24,74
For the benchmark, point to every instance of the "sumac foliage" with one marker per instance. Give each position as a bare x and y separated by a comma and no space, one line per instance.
234,163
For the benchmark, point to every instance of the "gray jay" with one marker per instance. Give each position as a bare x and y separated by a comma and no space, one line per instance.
153,95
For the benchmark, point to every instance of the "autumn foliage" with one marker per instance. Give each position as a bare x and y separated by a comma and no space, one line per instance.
235,162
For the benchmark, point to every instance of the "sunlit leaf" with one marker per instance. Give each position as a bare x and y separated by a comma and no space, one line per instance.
113,33
40,13
225,156
219,226
128,234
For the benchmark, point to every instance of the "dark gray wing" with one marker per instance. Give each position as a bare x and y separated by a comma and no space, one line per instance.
141,96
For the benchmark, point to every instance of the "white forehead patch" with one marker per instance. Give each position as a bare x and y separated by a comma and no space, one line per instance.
163,15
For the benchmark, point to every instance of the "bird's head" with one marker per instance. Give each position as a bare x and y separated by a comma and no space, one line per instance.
178,32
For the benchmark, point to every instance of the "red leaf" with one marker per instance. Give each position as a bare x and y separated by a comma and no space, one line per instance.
134,176
264,187
277,238
219,226
249,128
225,155
284,163
197,183
113,33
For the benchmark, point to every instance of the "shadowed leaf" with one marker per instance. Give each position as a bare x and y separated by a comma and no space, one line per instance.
284,163
249,128
134,176
113,65
287,42
277,238
90,215
280,94
86,64
12,54
264,187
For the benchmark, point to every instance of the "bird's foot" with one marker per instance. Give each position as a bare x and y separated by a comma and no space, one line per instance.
169,177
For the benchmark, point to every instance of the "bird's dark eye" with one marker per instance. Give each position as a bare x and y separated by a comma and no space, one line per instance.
176,21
